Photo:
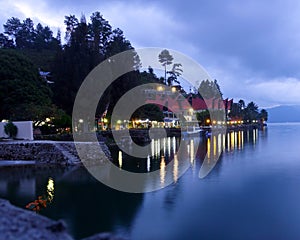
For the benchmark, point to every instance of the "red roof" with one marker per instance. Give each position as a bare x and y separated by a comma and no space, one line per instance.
176,103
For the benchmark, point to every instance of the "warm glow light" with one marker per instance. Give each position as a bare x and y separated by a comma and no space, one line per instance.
120,159
162,171
240,139
105,120
173,89
160,88
50,189
215,145
208,148
214,122
80,120
192,151
208,120
175,169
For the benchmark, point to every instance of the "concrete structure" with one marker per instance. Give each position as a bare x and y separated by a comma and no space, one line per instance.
25,130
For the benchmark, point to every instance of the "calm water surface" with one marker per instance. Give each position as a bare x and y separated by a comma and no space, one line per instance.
252,193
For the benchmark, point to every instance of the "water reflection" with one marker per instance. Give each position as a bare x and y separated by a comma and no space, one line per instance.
112,209
50,189
165,151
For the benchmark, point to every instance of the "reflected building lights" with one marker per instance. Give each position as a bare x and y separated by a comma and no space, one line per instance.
239,138
158,147
120,158
254,136
208,148
50,189
152,147
192,154
174,145
232,140
235,139
228,142
242,139
175,168
162,171
164,144
219,144
248,136
148,163
169,146
215,145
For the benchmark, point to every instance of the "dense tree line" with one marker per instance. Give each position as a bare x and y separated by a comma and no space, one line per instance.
248,112
87,43
26,47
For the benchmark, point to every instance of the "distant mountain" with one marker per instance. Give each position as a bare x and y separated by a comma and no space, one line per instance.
284,114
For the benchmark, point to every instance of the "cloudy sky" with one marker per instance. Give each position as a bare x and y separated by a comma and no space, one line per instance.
251,47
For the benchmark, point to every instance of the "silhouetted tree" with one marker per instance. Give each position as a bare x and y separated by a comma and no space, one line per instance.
165,58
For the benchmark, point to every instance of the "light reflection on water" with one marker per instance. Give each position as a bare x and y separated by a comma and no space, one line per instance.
131,213
164,151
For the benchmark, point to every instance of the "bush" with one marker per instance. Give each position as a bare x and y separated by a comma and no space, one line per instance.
11,129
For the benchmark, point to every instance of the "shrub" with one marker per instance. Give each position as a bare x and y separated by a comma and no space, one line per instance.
11,129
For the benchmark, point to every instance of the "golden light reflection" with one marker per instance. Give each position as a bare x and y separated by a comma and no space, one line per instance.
208,148
175,168
232,140
192,154
162,171
120,158
240,139
215,145
50,189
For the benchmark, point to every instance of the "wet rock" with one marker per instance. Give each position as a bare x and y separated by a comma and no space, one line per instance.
17,223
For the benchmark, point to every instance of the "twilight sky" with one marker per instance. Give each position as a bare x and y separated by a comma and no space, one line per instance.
251,47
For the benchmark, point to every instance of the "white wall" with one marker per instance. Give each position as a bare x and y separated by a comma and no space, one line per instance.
25,130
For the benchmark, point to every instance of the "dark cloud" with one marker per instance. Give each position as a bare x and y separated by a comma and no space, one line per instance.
244,44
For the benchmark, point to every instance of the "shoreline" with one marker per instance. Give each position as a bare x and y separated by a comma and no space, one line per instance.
50,152
18,223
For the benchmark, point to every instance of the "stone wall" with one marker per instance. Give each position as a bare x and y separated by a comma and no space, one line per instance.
61,153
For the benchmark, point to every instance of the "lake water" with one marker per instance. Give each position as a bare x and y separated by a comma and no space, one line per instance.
252,193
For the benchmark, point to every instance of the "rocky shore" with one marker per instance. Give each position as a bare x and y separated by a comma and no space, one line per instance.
50,152
17,223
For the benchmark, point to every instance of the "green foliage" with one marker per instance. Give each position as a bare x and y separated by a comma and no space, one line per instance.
26,36
202,116
248,113
148,111
263,115
23,94
165,58
174,73
11,129
210,89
